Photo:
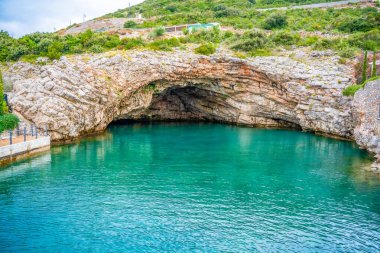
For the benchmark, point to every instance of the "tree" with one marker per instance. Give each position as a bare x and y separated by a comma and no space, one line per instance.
374,69
3,104
365,66
252,1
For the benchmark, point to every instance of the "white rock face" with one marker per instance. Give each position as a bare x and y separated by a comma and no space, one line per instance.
366,112
81,95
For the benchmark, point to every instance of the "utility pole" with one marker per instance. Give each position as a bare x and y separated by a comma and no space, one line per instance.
84,17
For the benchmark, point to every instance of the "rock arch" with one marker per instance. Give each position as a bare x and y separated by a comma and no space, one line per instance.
83,94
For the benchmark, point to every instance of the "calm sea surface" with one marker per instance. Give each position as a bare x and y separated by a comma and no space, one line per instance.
181,187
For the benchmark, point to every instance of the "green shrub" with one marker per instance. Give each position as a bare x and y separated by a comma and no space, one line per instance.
309,41
220,7
8,122
286,38
369,20
354,24
324,44
128,43
206,49
366,41
96,49
165,44
250,41
347,52
352,89
76,49
228,12
213,35
171,8
157,32
130,24
55,51
274,21
109,41
29,58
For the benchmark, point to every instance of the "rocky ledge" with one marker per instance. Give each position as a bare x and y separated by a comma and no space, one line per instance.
81,95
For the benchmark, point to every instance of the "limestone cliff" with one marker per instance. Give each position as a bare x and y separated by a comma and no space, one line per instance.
81,95
366,116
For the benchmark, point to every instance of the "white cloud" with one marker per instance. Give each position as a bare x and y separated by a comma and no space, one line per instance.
20,17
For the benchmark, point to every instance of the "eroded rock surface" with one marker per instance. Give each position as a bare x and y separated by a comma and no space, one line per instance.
82,94
366,116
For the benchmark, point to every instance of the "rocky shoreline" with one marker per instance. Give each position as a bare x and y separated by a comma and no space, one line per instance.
83,94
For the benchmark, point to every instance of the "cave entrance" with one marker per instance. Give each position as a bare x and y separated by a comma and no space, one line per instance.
212,102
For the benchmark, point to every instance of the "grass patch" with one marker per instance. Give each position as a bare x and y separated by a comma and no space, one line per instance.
260,52
352,89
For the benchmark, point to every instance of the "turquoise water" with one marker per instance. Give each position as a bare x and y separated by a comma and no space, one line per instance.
192,188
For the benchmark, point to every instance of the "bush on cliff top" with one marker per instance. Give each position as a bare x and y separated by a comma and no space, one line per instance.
130,24
274,21
164,45
206,49
250,41
157,32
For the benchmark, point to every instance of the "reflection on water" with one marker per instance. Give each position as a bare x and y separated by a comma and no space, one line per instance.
18,169
193,187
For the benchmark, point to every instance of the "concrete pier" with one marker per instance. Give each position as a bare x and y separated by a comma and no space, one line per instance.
22,150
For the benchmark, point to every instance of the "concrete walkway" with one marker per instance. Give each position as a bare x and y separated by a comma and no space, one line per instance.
23,149
314,6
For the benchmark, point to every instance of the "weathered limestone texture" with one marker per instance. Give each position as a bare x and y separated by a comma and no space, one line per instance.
82,94
366,106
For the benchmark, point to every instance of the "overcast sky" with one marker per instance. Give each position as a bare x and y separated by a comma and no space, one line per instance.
20,17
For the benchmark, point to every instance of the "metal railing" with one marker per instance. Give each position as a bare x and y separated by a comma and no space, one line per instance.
23,133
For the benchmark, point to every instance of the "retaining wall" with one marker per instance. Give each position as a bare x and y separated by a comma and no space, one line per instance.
23,149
